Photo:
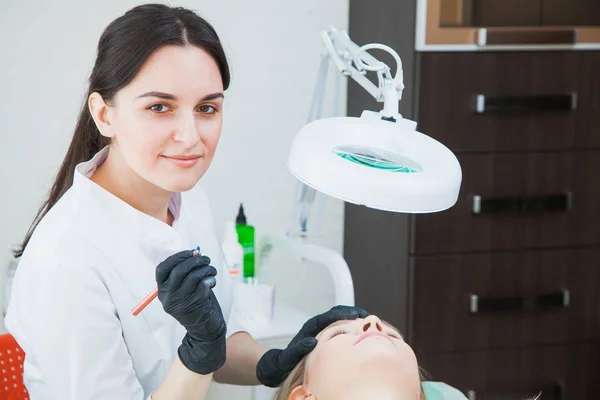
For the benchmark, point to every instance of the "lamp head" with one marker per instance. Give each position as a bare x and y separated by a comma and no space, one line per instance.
380,163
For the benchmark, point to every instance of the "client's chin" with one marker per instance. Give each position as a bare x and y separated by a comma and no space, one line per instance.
377,389
383,377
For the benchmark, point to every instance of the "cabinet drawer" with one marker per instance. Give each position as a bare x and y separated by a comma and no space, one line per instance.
559,372
571,12
487,13
528,101
478,301
523,200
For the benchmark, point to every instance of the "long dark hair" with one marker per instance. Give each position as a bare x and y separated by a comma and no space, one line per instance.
124,46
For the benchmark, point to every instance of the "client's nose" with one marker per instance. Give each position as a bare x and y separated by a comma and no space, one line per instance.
372,323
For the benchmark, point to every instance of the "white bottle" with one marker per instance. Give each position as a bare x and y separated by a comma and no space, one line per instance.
234,253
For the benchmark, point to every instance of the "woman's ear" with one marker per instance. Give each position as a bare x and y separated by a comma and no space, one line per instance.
300,393
101,113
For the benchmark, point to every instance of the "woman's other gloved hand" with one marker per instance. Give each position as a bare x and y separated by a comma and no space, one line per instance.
185,283
275,365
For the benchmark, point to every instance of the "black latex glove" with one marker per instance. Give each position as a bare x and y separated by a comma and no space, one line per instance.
275,365
185,283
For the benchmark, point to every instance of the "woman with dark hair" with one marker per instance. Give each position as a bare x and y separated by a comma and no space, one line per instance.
121,218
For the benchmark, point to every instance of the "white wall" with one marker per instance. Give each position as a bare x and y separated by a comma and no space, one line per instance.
47,50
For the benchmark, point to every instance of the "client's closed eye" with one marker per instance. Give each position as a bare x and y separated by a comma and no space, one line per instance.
336,333
389,332
394,334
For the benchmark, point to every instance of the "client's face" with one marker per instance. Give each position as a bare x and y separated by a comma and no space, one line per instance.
360,359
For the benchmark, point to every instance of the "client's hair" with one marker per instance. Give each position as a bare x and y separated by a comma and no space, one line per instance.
294,379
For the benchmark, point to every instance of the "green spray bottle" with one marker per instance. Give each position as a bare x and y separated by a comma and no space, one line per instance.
246,239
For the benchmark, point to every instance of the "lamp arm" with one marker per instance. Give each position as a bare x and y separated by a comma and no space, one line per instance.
354,61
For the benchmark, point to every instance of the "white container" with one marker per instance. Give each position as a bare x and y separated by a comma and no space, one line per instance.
253,305
234,253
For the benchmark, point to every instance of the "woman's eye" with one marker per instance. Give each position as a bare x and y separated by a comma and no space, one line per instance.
159,108
206,109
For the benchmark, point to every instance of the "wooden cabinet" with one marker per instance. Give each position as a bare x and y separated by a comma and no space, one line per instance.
505,25
499,295
506,12
473,301
527,101
521,13
570,12
516,201
560,372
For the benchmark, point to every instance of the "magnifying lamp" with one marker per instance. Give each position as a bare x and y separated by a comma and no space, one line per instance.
378,160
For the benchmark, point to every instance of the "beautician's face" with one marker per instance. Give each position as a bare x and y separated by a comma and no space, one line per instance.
363,356
167,121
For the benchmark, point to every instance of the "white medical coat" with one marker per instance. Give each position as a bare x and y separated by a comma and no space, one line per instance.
90,261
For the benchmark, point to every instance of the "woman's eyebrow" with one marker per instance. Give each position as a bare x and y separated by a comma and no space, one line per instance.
213,96
169,96
160,95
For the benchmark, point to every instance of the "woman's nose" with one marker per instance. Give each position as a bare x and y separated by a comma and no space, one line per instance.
372,323
187,131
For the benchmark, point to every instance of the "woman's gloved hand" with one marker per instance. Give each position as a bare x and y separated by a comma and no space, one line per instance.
275,365
185,283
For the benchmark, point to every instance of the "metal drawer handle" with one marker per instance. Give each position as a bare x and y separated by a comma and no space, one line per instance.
523,37
544,301
523,104
555,391
496,205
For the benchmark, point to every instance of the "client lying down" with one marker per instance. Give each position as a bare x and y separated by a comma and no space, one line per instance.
364,359
358,359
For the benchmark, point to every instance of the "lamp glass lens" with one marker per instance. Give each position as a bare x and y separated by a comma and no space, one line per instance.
381,159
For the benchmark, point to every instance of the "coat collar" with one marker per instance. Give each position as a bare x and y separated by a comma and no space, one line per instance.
118,213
